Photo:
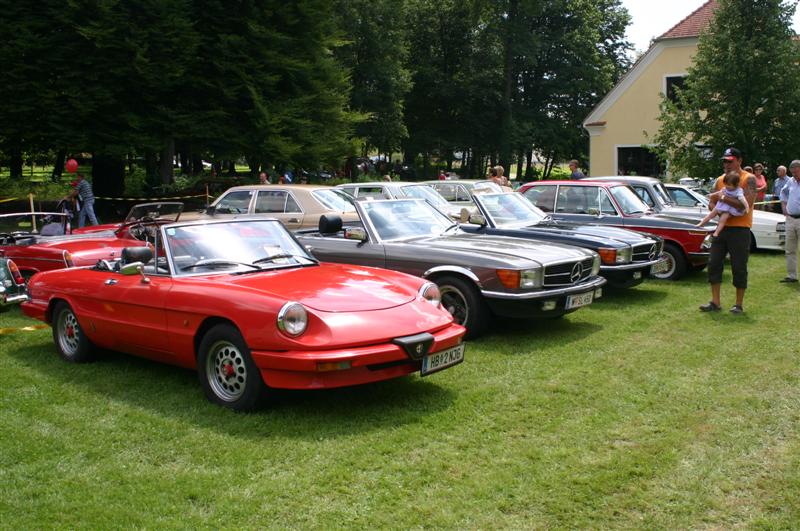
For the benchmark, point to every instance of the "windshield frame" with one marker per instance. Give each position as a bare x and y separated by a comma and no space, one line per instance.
339,192
538,215
207,227
365,207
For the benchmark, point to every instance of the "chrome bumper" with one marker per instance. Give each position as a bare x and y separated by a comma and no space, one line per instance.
547,293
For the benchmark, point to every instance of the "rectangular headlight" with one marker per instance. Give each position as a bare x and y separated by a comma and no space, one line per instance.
624,255
531,278
596,265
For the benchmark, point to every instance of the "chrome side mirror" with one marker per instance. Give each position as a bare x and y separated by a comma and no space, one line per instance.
135,268
355,233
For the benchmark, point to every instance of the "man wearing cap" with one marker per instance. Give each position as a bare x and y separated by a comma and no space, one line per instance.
790,204
734,238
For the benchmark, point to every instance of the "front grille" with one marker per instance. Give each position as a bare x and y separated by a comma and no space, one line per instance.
646,252
562,274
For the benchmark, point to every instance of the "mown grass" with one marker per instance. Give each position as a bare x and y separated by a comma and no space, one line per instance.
638,412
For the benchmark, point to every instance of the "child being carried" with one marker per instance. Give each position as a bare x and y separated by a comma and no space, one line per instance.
724,210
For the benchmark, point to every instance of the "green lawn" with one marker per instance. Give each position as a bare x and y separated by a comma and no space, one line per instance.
638,412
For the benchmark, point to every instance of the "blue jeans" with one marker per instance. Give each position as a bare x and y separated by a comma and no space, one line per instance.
87,209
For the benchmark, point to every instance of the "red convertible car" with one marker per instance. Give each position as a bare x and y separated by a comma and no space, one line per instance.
41,241
243,303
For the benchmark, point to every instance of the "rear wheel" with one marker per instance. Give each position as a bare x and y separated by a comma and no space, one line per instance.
462,299
71,342
676,262
226,370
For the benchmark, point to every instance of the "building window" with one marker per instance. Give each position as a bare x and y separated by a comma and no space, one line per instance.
674,84
639,161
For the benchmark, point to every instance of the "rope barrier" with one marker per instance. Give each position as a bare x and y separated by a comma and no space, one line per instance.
6,331
149,198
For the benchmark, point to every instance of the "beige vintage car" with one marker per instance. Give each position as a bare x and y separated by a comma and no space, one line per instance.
295,205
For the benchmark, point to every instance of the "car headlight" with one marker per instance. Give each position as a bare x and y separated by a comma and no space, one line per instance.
615,256
531,278
596,265
292,319
430,292
706,242
516,279
781,226
625,255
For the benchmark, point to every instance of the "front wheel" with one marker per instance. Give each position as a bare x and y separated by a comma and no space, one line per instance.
226,370
676,263
462,299
71,342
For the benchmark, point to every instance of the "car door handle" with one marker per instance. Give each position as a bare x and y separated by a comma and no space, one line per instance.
111,281
294,220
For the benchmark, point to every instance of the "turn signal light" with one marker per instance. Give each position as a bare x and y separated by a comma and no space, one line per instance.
608,256
333,366
15,274
509,278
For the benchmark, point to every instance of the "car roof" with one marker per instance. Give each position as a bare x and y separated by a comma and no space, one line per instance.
381,183
309,187
578,182
625,178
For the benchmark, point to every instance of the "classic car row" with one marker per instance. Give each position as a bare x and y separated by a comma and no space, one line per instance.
247,304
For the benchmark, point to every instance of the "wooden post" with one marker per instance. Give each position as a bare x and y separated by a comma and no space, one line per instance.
33,217
207,198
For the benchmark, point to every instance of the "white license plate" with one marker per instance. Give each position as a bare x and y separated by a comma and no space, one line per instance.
659,267
576,301
781,238
442,359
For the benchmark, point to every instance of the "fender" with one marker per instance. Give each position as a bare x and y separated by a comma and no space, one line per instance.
453,269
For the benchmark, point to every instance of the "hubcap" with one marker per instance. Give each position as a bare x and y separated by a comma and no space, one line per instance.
69,333
226,371
670,267
455,303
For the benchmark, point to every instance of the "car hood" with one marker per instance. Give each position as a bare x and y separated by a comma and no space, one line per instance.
595,233
334,287
511,248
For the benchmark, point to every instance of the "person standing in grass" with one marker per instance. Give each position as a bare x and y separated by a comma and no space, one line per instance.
780,181
575,173
83,191
734,239
790,204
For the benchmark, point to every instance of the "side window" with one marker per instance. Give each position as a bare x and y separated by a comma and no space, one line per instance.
644,193
682,197
576,199
348,190
462,194
235,202
291,205
541,196
271,202
606,205
448,191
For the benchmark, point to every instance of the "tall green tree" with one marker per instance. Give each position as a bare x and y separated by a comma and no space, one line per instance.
741,91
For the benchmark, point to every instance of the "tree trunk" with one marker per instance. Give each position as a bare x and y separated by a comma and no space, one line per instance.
231,167
15,157
59,165
520,164
184,158
506,121
165,167
108,175
197,164
151,169
529,167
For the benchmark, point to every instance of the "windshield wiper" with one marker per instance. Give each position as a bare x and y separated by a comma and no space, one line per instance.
274,257
451,227
214,262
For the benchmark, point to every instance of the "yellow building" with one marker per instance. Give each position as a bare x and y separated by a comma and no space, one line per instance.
620,124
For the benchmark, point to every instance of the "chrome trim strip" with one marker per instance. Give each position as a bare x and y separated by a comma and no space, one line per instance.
634,265
452,269
548,293
14,299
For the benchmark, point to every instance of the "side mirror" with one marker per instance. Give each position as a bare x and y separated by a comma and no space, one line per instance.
477,219
210,210
355,233
135,268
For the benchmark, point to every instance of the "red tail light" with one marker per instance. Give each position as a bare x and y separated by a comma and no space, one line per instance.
15,274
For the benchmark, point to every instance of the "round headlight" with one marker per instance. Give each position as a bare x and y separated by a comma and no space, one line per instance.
292,319
430,292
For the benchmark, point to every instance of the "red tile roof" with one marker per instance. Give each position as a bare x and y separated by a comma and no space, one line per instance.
694,24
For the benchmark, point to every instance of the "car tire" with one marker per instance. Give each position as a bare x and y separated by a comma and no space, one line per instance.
228,375
461,298
72,344
677,263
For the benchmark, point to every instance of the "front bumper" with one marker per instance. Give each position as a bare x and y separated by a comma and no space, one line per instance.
699,259
7,299
299,369
538,303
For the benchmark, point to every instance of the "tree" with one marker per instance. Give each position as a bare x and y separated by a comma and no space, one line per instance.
728,98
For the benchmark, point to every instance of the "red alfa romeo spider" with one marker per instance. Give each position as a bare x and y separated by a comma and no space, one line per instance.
243,303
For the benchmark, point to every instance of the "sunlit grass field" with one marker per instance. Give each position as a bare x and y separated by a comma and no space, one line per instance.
637,412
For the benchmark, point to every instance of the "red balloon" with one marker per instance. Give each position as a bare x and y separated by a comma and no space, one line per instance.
72,165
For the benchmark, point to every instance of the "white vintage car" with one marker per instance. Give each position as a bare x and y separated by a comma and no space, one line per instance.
769,228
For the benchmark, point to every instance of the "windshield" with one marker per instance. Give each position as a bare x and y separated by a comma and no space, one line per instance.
236,245
170,211
334,200
486,186
422,191
663,195
628,200
405,218
44,223
509,209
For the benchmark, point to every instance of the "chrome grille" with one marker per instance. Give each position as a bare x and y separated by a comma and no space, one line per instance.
646,252
568,273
